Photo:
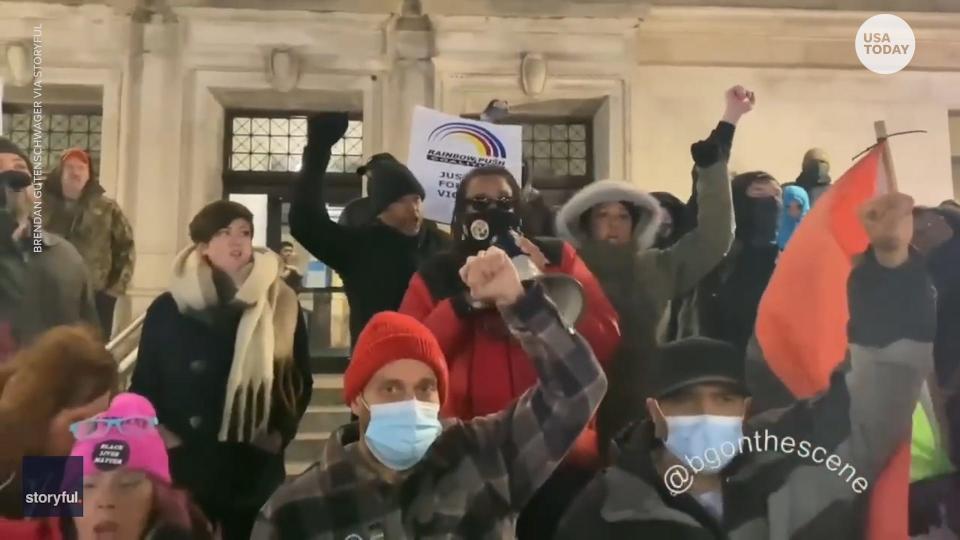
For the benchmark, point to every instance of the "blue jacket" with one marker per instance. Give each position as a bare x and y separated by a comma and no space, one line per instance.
788,223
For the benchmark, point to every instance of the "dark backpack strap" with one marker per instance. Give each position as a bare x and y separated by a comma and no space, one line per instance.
552,249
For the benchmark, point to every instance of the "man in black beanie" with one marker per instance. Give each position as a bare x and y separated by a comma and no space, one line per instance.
43,280
375,260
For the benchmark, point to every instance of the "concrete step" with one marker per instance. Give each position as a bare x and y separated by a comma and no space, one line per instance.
307,447
327,390
324,418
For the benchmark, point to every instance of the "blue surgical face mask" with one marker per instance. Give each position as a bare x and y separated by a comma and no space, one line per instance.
400,433
711,439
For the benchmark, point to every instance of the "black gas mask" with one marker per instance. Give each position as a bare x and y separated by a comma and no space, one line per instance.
487,220
14,181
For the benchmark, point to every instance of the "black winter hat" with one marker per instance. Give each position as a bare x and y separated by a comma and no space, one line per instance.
356,213
697,360
215,216
9,147
389,180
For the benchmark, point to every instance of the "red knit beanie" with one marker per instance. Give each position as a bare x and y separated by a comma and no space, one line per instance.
78,153
387,337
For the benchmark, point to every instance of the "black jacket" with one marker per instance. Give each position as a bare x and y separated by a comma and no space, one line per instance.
182,368
374,261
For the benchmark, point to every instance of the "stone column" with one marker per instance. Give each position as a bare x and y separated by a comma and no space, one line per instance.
409,83
151,144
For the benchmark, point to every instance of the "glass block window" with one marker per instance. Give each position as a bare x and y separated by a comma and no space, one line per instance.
261,143
62,129
557,148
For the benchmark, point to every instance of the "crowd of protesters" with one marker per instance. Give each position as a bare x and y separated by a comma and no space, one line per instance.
485,402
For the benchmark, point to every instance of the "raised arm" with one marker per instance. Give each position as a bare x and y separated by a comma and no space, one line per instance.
867,411
722,135
529,439
701,250
310,222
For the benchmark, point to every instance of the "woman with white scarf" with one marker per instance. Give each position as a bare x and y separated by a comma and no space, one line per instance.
224,358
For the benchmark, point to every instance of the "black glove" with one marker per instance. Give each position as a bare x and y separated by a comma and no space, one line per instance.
325,129
705,153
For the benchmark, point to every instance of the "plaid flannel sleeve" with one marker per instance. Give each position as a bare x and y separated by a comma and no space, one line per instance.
534,434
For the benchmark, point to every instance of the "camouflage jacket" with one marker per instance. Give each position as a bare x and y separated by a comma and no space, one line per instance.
98,229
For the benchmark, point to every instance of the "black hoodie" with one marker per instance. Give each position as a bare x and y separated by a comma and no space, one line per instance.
374,261
727,299
944,268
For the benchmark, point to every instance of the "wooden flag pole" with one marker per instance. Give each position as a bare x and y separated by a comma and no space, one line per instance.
939,425
880,128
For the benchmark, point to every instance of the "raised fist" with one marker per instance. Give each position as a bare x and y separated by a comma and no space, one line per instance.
491,277
740,101
888,220
325,129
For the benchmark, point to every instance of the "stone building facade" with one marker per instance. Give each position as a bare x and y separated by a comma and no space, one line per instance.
646,76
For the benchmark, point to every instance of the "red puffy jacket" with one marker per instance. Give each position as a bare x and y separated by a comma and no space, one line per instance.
30,529
488,368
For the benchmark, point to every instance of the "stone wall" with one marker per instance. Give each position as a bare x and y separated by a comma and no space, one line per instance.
652,76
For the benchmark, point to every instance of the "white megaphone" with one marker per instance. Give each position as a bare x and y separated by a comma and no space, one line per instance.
565,291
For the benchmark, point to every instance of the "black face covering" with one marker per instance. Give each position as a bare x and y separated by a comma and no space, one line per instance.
813,173
765,221
480,228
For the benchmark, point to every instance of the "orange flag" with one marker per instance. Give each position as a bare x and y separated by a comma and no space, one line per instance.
802,317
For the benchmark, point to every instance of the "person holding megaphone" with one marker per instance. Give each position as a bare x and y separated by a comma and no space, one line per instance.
488,367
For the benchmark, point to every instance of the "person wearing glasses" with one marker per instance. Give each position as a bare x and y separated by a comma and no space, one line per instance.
488,367
65,376
127,490
43,281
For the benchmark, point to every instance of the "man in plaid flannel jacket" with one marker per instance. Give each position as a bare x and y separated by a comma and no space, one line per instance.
475,476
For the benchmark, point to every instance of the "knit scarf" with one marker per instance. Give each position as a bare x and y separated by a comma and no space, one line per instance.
264,342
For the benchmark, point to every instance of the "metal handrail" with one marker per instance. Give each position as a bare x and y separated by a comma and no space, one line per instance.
125,369
124,348
126,332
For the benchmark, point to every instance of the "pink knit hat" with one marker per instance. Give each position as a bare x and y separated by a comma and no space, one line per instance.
140,449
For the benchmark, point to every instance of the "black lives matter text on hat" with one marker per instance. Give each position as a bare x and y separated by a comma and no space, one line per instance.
110,455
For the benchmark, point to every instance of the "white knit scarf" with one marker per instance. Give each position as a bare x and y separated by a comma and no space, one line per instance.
264,338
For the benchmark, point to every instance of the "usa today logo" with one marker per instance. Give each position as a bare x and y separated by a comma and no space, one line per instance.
885,44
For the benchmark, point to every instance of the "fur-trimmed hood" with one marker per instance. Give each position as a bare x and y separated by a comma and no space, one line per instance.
644,231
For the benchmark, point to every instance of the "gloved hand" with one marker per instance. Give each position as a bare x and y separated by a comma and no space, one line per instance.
705,153
325,129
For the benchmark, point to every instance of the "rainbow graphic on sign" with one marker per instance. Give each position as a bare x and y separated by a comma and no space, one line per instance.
486,143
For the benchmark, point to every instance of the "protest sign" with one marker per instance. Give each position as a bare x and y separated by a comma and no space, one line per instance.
444,147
